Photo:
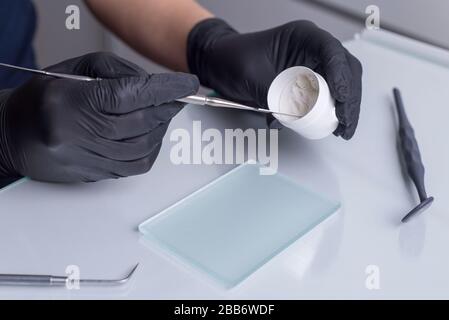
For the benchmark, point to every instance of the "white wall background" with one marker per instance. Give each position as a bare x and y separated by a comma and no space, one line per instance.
425,18
54,42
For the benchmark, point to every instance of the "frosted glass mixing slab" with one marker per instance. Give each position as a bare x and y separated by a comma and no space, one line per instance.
232,226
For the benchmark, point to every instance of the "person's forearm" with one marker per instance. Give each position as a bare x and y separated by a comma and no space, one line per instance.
157,29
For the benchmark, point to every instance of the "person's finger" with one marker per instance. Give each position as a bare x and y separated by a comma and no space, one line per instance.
168,87
136,123
127,149
139,166
342,77
97,168
340,129
136,167
337,71
353,103
273,123
119,96
99,65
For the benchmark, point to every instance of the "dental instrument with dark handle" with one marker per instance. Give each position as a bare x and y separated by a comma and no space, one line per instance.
412,157
51,281
194,99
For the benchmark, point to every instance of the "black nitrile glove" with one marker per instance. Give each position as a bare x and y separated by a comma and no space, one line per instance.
241,67
63,130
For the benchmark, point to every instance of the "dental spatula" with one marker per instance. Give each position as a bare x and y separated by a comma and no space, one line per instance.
51,281
194,99
412,157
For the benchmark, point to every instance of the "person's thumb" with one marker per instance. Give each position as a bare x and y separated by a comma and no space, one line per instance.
103,65
124,95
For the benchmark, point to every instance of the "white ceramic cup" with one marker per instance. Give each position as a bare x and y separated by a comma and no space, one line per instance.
320,120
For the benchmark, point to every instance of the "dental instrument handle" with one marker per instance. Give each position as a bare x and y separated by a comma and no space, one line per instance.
48,280
70,76
31,280
215,102
221,103
409,147
194,99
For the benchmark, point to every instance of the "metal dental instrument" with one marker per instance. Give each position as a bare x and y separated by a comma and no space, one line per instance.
412,157
221,103
52,281
47,73
194,99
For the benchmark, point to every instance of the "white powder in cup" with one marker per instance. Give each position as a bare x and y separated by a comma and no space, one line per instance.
299,97
305,93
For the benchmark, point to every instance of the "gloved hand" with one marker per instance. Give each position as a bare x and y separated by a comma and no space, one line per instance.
63,130
241,67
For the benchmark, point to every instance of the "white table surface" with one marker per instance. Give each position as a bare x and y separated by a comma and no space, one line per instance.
46,227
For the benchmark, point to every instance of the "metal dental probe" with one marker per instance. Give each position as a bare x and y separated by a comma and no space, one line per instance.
47,73
193,99
222,103
50,281
412,157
